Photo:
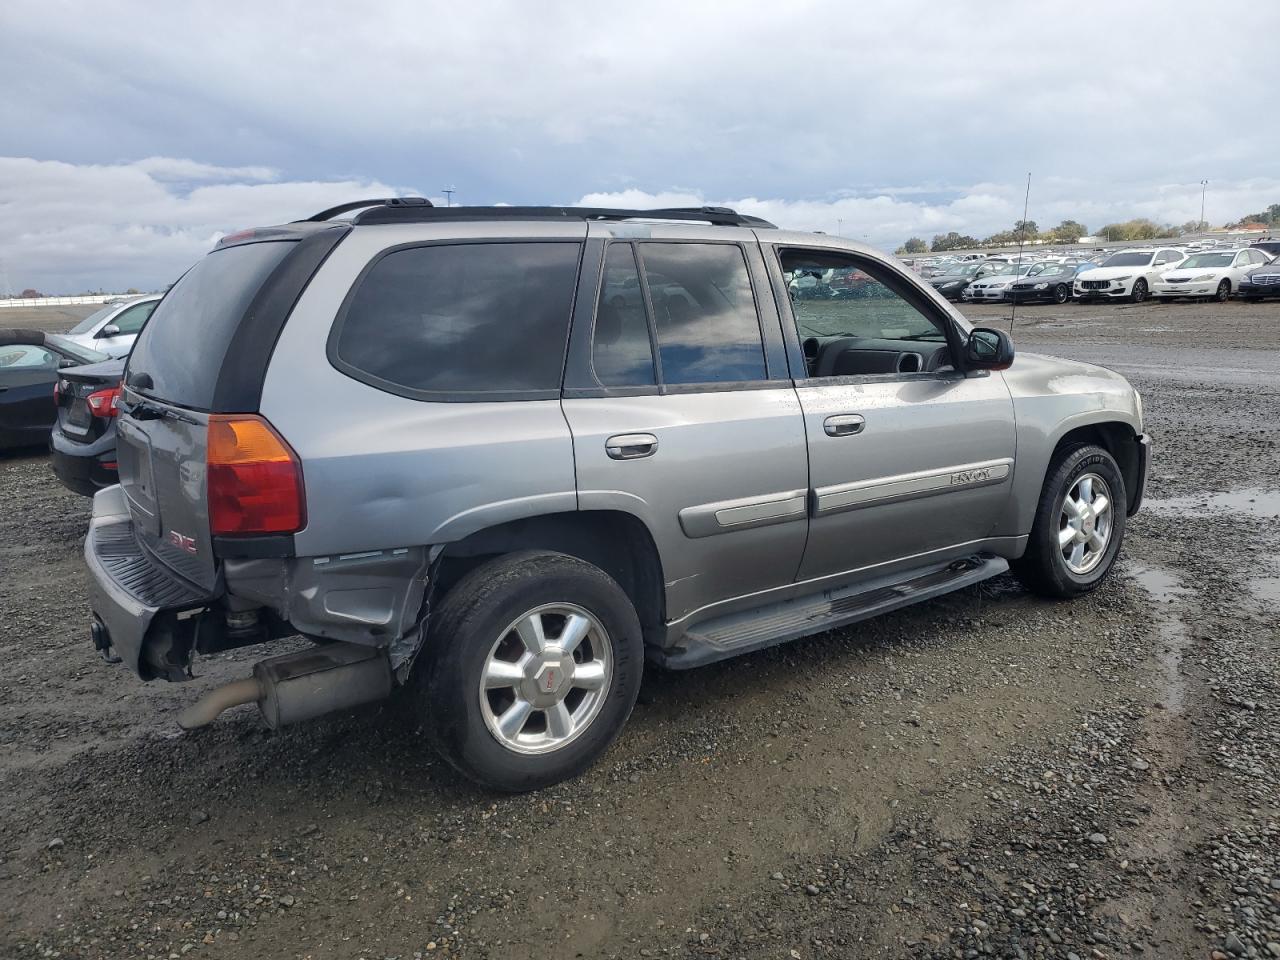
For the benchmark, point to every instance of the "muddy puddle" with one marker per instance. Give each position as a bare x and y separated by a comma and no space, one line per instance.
1252,502
1167,592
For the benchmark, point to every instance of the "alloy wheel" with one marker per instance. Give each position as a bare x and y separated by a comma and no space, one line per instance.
1224,291
1084,524
546,677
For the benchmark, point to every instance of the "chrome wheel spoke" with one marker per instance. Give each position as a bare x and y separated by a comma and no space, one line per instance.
1066,535
531,635
1101,504
502,673
589,676
1097,541
1077,555
1071,508
1086,489
513,693
559,720
575,629
514,718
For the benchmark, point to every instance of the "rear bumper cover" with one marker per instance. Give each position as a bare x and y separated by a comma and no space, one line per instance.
81,467
138,600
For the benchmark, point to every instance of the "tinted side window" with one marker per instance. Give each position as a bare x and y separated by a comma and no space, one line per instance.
461,319
621,352
131,320
704,313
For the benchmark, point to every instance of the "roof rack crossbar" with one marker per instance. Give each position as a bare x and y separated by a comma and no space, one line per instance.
390,202
386,212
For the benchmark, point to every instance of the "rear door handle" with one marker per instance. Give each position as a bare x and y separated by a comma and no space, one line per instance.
631,446
843,425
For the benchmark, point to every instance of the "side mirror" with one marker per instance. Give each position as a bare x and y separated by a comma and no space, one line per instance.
110,330
65,362
988,349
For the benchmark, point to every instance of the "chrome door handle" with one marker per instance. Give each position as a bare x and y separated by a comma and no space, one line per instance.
631,446
843,425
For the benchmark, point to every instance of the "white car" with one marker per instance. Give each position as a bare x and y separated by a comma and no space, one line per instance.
113,329
995,286
1215,273
1127,274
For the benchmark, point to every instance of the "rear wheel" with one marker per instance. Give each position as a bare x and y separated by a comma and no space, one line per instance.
1224,291
1061,293
534,663
1139,291
1079,525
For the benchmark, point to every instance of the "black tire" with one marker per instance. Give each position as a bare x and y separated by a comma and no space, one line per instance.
1043,568
471,618
1061,293
1224,291
1139,292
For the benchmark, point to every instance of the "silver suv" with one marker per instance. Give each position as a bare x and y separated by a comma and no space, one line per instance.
502,457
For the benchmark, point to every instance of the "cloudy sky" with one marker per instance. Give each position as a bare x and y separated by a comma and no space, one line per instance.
136,133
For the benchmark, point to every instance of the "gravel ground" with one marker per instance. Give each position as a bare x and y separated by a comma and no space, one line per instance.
985,775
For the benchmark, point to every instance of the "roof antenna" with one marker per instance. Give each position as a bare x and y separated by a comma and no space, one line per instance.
1022,236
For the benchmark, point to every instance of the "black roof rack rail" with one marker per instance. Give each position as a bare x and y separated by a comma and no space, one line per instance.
388,211
394,202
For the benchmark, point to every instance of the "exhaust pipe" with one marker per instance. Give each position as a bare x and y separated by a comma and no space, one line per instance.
300,686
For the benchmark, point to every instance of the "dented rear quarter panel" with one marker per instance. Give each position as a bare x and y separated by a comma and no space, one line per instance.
1052,397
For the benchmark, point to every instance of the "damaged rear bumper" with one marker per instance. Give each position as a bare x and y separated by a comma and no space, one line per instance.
142,606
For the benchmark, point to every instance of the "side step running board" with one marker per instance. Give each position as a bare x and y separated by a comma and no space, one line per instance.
776,623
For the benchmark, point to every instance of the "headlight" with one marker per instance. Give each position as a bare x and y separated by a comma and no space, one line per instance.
996,286
1042,286
1122,279
1203,277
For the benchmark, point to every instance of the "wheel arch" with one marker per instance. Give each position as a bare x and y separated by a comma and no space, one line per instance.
1119,439
617,542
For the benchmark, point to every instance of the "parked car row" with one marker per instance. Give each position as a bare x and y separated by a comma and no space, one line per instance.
1130,275
64,391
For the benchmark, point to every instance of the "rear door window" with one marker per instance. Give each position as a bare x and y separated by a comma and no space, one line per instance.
467,321
621,353
705,317
183,346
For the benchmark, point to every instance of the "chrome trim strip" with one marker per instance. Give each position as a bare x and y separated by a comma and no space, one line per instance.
727,516
908,486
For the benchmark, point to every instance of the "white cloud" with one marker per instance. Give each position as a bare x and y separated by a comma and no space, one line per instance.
67,227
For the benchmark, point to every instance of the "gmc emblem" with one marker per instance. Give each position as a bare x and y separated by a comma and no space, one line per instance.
182,542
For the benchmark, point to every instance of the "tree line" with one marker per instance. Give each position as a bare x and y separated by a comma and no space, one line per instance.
1070,231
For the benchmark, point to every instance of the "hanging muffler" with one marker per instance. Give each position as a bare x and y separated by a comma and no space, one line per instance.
300,686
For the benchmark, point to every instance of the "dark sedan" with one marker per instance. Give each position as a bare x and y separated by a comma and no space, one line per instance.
31,362
1260,283
951,284
1050,282
82,446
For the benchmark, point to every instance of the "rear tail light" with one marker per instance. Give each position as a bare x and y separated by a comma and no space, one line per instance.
105,403
254,478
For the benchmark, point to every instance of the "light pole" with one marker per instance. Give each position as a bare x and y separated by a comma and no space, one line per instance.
1204,185
448,196
839,226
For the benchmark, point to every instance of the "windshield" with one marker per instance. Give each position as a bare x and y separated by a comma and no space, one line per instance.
81,353
1207,260
1052,270
968,270
1128,260
93,319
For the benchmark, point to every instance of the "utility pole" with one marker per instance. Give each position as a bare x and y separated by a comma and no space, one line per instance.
839,227
1204,185
448,195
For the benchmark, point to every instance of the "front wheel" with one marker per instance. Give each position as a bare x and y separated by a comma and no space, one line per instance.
1139,291
1079,524
1224,291
533,664
1061,293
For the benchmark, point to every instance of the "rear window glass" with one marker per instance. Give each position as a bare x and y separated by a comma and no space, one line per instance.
462,321
183,345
